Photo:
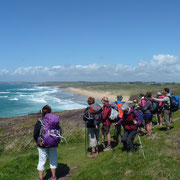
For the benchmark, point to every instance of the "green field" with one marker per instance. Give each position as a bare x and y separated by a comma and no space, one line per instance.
162,161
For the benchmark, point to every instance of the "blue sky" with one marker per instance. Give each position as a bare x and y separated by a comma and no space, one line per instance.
83,32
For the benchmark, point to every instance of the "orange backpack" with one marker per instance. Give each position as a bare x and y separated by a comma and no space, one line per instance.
120,111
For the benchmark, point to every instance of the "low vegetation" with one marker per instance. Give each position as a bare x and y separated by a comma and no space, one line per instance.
19,158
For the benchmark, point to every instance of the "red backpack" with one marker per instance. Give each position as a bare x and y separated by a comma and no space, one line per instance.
143,101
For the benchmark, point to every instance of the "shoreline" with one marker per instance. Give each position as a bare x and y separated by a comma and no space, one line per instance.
96,94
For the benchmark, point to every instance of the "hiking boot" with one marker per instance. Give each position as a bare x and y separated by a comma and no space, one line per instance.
93,155
168,128
131,152
103,144
108,148
96,154
124,148
149,135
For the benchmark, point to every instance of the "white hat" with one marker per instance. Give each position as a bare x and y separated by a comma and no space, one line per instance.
158,93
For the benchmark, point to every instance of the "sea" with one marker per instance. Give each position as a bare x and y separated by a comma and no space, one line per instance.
21,99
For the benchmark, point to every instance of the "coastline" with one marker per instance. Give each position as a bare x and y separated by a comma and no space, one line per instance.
96,94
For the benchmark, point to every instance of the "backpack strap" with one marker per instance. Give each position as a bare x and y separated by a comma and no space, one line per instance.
87,115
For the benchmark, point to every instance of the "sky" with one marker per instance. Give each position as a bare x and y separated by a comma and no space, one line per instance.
90,40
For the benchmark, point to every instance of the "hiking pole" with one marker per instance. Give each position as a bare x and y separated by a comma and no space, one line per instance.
114,133
85,139
141,145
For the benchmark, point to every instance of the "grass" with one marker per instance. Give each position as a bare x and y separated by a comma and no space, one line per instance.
162,159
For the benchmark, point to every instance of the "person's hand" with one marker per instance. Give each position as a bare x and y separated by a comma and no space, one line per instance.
134,121
115,124
152,97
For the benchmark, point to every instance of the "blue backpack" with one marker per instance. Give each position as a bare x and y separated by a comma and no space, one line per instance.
174,102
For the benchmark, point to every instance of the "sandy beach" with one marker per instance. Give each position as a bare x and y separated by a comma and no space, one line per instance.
96,94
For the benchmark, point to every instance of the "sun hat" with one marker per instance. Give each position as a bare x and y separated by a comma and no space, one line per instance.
158,93
104,99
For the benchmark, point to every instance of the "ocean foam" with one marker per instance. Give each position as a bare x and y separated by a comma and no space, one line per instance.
38,99
14,99
4,92
3,96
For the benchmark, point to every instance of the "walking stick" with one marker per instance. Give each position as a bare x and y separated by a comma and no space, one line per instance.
141,146
114,133
85,140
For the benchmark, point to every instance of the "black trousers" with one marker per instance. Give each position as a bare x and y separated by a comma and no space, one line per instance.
128,138
118,132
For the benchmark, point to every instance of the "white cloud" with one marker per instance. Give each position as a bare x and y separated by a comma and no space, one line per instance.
3,71
162,68
165,59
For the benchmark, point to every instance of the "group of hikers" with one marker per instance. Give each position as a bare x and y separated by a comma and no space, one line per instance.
139,114
134,116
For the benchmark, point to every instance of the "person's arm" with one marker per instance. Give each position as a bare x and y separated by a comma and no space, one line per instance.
120,121
37,128
161,100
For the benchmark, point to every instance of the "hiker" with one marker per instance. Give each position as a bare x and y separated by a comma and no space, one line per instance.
142,100
131,120
135,103
118,103
92,114
160,108
106,123
45,149
147,113
166,107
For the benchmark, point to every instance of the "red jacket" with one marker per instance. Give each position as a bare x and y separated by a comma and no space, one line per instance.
129,121
106,114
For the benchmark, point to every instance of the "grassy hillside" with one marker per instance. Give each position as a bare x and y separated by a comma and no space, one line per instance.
19,157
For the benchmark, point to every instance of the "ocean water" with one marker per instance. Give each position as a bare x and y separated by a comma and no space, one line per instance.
22,99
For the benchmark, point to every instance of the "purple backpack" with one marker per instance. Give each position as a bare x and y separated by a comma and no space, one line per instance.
50,132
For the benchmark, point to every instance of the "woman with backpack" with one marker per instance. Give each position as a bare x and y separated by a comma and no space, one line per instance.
106,124
160,108
166,107
92,117
131,120
147,113
45,149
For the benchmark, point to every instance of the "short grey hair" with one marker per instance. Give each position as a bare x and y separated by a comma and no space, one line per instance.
125,107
